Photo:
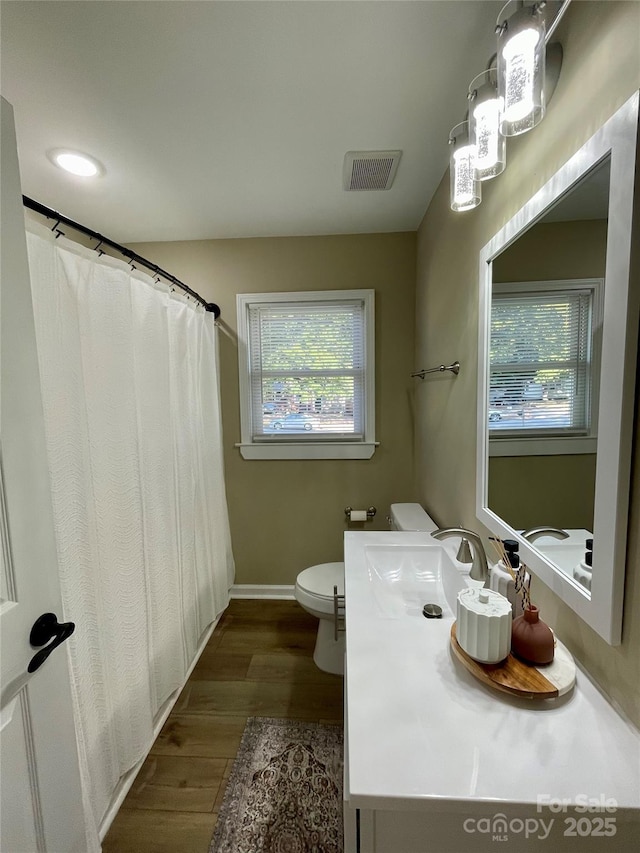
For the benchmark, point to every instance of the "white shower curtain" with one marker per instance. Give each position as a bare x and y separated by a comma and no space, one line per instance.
129,376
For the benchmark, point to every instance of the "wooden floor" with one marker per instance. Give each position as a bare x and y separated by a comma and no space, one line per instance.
258,662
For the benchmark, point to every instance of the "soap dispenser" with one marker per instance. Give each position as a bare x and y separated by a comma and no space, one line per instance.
501,579
584,570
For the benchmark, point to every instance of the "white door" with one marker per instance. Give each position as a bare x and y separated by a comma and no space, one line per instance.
41,802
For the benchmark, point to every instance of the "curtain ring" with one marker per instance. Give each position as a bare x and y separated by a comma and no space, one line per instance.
57,230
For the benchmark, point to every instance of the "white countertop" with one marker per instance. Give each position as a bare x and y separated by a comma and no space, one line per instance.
420,729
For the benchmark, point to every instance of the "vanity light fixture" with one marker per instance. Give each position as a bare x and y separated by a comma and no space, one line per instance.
506,100
521,67
484,126
465,188
76,163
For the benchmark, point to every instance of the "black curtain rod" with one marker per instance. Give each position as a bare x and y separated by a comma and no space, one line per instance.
128,253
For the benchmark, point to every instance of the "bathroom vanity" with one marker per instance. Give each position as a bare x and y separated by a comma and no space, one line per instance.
437,761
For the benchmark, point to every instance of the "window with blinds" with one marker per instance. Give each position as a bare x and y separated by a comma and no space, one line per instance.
541,358
308,376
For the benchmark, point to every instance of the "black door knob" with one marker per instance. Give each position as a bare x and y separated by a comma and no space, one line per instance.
45,628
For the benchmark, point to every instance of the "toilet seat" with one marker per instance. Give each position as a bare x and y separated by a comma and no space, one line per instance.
320,580
314,588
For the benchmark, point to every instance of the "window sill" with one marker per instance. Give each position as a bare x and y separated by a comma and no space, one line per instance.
536,446
309,450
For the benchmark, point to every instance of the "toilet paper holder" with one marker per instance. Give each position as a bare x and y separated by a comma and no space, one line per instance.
359,514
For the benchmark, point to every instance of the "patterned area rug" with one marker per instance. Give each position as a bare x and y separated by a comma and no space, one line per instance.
285,790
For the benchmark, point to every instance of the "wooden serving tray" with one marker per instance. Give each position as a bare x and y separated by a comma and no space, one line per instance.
517,678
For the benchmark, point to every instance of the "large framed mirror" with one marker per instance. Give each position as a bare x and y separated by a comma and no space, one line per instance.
556,377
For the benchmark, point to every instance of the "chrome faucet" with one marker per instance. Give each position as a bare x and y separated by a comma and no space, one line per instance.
534,533
479,569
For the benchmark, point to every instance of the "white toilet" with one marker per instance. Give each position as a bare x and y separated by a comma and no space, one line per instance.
314,589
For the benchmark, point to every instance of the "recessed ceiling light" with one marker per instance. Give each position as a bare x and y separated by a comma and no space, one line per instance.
76,163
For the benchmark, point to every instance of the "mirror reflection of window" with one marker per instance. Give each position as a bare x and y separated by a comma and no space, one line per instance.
541,358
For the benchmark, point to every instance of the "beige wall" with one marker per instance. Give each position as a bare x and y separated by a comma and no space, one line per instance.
529,491
286,515
555,250
601,71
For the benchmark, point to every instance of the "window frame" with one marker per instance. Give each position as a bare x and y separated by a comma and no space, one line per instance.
554,444
304,446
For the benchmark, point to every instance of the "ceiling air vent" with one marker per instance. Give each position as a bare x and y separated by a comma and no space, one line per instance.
370,170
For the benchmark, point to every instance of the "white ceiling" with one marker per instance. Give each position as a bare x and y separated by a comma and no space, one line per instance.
232,119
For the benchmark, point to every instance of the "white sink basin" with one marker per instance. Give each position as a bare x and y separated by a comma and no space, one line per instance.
404,578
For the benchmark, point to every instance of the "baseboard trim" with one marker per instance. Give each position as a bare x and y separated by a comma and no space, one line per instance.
262,590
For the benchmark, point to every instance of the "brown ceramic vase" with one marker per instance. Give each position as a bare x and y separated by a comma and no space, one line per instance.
531,639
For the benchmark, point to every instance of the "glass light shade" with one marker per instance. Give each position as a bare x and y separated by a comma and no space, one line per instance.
521,66
465,188
484,127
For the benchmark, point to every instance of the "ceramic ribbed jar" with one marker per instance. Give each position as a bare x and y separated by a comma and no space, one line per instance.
531,639
483,628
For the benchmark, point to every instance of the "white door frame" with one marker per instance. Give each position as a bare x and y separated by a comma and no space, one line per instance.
41,794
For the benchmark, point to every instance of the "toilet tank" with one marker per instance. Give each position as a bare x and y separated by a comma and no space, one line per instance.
410,517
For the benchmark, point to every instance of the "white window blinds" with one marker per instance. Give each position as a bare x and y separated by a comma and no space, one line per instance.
540,362
307,370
